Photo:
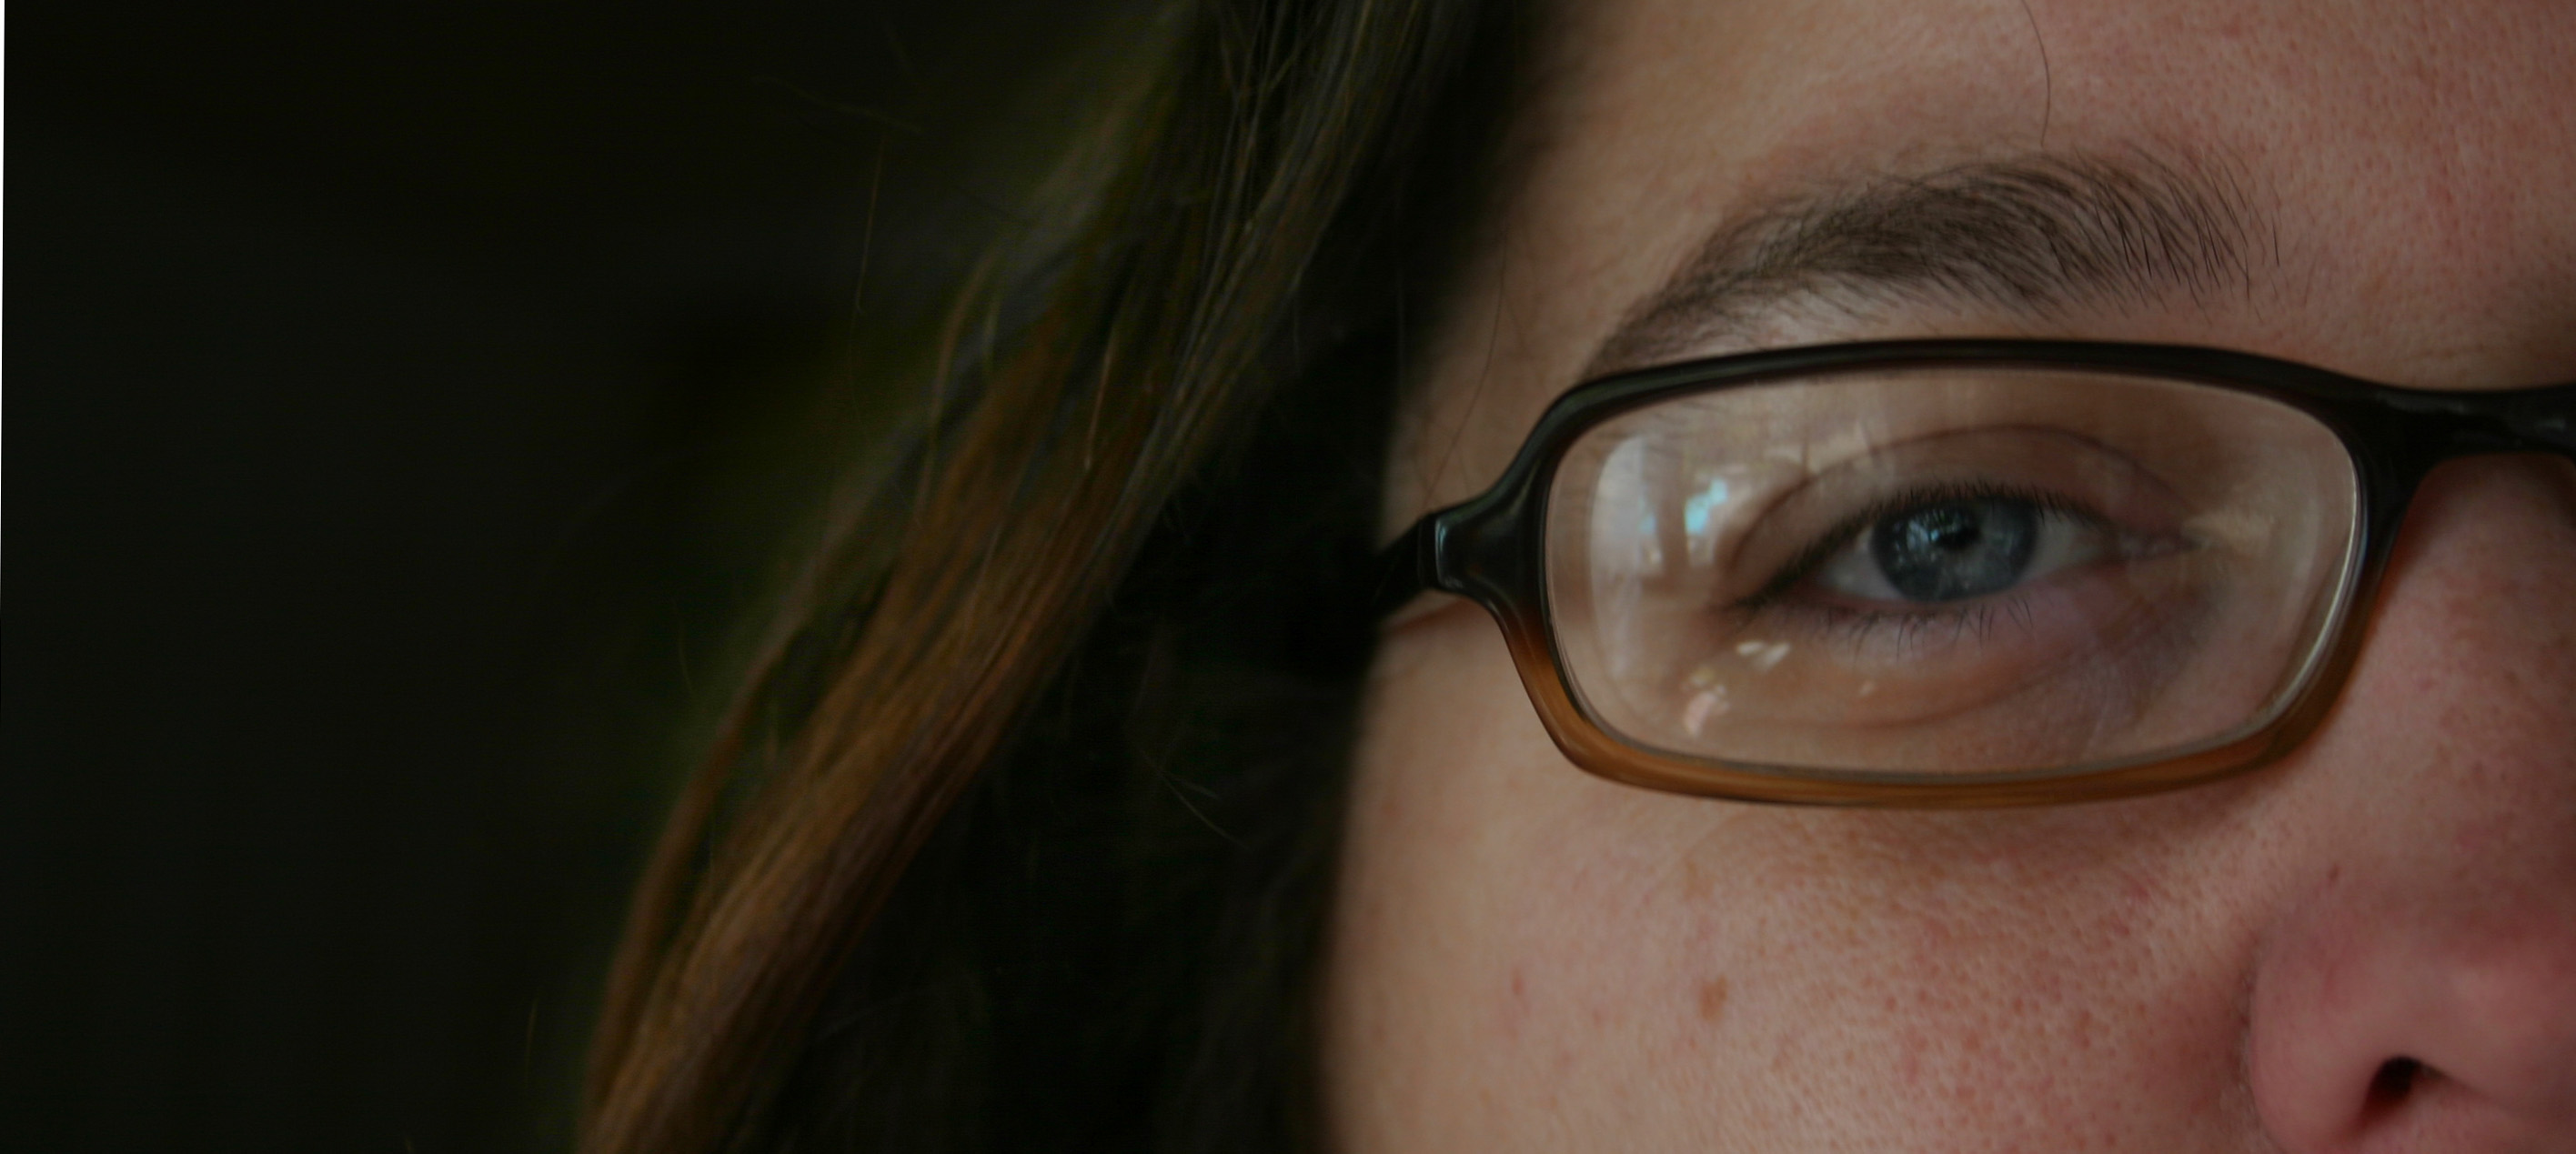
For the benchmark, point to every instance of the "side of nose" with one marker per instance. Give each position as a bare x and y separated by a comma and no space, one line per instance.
2416,991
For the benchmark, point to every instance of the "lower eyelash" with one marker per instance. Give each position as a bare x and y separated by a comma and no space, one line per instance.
1835,623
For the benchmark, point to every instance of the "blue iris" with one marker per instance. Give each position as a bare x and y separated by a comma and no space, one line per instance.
1955,550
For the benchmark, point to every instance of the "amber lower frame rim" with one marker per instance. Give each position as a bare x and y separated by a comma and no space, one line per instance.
1591,747
1491,549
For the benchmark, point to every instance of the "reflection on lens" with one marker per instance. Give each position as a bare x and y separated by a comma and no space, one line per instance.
1945,571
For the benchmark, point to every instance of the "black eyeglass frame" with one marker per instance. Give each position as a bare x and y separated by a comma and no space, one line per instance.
1492,549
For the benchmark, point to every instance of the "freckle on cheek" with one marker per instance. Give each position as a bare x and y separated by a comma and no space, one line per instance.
1712,1000
1697,885
1515,1008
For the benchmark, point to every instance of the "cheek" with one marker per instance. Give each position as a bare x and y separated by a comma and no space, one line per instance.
1530,958
1517,963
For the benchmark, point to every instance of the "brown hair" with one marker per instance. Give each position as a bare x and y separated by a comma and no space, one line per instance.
1019,835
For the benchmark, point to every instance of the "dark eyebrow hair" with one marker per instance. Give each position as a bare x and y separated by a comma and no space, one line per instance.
2031,235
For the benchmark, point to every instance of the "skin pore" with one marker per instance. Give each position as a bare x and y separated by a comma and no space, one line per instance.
2370,946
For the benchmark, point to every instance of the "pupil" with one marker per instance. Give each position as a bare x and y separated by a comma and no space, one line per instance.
1955,550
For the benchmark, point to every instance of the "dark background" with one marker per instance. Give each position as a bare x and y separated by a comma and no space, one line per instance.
407,408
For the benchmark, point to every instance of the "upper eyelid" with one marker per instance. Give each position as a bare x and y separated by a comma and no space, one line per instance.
1733,545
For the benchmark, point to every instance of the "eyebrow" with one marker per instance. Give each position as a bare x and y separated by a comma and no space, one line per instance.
2031,235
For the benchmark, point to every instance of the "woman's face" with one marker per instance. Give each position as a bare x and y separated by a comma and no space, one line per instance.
1529,958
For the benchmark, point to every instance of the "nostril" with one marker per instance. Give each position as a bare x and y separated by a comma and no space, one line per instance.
2397,1078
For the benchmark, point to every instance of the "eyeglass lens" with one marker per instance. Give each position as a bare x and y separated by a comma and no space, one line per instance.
1947,571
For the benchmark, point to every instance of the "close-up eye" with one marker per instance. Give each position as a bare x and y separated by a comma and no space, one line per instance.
1941,571
1958,548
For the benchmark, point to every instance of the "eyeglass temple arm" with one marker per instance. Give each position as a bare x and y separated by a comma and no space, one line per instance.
1406,568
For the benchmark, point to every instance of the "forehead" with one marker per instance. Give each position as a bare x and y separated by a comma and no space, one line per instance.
2414,163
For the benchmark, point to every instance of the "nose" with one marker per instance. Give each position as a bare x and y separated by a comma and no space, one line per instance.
2417,992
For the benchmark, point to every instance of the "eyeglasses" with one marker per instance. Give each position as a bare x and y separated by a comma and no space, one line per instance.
1950,572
